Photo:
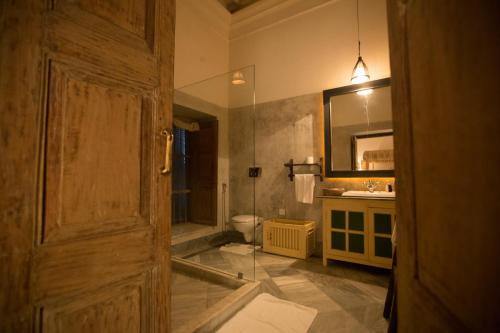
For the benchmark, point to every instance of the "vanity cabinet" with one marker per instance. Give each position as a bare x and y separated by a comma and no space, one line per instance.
358,230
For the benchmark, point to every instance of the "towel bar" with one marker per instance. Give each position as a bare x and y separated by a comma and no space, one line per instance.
290,165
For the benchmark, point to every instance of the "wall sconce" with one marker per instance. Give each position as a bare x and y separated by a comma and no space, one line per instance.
238,78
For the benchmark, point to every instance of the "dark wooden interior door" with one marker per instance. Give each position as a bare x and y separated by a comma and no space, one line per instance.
444,64
203,173
86,90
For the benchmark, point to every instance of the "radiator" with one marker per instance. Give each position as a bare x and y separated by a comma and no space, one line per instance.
292,238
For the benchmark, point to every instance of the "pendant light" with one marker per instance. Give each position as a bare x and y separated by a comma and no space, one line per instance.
364,92
360,71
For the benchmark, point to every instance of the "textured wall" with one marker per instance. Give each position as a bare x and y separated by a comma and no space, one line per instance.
284,129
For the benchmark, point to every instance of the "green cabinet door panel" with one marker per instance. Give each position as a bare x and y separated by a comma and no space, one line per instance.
338,219
356,221
338,240
383,247
382,223
357,243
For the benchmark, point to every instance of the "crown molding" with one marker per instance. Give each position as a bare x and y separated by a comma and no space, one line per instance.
265,13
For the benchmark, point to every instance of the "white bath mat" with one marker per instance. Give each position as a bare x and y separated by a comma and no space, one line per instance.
237,248
268,314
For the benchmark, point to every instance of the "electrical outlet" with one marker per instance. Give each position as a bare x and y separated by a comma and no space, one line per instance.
281,212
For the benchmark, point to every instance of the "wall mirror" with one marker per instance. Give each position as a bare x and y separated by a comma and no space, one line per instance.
358,130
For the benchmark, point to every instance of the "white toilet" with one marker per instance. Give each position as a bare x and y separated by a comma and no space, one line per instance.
245,225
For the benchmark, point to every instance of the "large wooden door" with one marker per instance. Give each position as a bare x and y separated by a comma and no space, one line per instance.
445,69
85,92
203,173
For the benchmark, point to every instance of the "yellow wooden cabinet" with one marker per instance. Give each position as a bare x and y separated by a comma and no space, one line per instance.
358,230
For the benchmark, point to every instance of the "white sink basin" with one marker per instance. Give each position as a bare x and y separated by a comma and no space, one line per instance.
375,194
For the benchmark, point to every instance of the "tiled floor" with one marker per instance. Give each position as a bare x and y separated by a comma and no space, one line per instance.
190,296
349,298
185,231
230,263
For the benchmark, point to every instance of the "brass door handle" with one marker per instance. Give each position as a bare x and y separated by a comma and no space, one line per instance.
167,168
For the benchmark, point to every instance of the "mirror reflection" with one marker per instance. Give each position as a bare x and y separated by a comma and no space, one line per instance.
372,150
361,135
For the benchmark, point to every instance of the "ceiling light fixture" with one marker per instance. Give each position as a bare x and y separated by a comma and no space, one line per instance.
360,71
238,78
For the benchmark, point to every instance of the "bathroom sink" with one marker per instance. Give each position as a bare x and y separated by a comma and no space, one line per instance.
375,194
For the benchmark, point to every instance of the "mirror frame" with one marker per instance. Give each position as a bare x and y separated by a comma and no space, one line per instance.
327,94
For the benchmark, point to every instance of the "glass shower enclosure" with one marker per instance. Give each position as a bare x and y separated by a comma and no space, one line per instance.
213,180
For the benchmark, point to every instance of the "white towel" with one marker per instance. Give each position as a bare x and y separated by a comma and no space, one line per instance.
304,188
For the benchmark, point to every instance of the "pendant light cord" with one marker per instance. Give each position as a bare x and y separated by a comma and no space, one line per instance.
357,16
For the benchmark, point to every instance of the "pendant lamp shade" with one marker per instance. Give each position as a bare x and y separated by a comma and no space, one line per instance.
360,72
238,78
364,92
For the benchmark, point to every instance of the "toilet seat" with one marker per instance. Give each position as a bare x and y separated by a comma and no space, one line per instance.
245,218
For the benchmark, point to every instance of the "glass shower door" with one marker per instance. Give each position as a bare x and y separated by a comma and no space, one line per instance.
212,178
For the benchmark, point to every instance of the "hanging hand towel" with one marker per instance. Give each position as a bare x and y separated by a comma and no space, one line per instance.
304,188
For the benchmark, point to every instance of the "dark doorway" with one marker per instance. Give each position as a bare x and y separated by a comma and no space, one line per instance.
194,181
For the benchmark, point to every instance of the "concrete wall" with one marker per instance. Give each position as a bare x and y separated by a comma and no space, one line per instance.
284,129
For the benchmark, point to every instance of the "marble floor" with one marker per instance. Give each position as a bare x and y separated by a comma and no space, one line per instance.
348,297
191,296
230,263
185,231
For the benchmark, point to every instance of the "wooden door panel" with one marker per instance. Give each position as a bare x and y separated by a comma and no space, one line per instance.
97,161
206,170
87,89
203,173
447,239
129,15
103,313
84,265
202,206
111,50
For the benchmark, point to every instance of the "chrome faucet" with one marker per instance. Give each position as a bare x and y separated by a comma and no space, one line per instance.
371,185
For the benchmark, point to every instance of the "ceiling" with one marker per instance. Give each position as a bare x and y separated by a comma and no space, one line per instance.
235,5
